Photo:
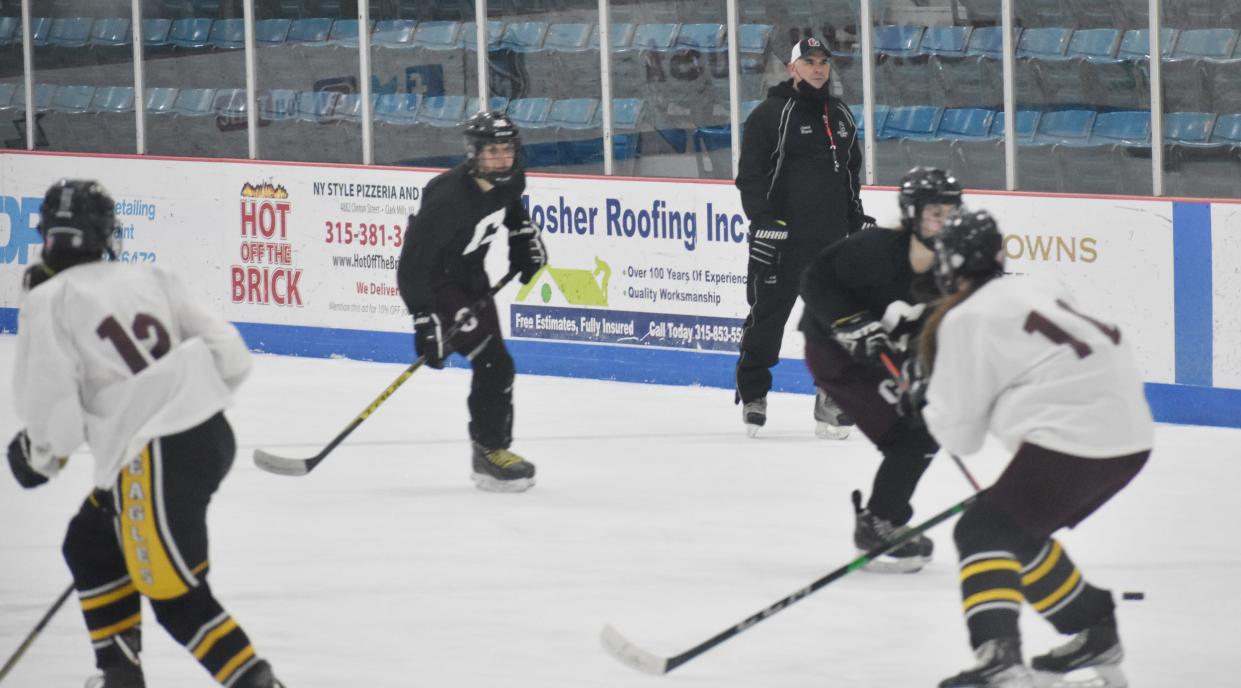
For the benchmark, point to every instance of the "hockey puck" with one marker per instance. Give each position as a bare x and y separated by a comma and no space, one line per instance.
1133,596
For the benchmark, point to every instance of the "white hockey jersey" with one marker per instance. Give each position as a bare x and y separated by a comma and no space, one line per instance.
1019,358
115,355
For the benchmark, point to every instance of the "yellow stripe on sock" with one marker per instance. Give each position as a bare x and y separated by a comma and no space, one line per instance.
1053,557
231,665
1059,593
213,637
107,598
109,631
991,596
990,565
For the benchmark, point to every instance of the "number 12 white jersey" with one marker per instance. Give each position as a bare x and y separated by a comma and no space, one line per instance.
115,355
1020,359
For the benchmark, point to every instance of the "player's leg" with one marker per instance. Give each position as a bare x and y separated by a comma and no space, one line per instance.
109,601
771,300
164,498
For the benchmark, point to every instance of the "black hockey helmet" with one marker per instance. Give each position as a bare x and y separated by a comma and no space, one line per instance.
923,185
487,128
970,245
77,221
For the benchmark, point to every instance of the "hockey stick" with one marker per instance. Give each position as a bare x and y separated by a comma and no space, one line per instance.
286,466
30,637
904,385
647,662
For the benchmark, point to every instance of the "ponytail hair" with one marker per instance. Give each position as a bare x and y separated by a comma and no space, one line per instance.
927,341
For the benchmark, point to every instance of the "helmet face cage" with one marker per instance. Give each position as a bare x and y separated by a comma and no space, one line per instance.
921,186
492,128
970,245
77,221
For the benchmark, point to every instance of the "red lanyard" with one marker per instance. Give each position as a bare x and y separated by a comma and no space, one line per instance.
827,122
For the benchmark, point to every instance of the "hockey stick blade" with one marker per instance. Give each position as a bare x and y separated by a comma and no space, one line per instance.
631,655
298,467
281,465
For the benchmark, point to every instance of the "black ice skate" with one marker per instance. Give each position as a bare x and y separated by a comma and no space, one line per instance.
999,666
121,675
831,422
1097,648
754,414
500,470
872,531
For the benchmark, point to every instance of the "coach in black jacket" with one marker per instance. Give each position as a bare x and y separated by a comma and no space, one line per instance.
798,177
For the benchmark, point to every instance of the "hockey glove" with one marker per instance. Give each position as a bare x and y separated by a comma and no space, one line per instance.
861,336
526,252
864,222
903,323
767,246
911,399
429,339
35,275
19,462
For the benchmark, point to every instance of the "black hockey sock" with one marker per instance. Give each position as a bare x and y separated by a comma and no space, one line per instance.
991,593
198,622
1055,588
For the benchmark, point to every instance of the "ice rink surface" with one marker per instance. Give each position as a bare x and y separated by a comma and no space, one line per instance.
653,511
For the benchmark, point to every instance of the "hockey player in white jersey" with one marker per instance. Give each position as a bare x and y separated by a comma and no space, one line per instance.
122,358
1016,357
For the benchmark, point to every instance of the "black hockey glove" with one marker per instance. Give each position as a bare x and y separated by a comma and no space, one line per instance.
35,275
429,339
864,222
19,462
862,337
767,245
911,399
526,252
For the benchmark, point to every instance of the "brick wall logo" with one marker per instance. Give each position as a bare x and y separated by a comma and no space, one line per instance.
267,275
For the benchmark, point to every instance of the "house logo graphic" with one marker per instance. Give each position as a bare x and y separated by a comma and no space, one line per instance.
568,286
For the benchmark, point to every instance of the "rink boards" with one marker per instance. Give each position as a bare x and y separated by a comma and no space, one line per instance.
646,279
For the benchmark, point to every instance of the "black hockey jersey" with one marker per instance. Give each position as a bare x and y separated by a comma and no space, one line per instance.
865,271
447,241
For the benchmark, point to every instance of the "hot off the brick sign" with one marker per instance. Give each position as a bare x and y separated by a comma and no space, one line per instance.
268,276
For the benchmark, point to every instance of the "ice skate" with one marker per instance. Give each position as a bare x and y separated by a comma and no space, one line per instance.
123,675
1095,650
831,422
500,470
754,414
999,666
259,676
872,531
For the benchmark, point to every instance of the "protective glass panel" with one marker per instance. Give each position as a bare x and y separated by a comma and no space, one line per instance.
1201,99
83,73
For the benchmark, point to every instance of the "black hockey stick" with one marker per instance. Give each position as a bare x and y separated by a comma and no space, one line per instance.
286,466
30,637
647,662
903,382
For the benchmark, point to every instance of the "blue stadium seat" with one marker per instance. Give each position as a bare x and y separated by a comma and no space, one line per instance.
1136,44
752,52
393,33
524,37
316,106
396,108
313,30
945,40
1227,130
1044,42
898,40
530,113
1213,43
1035,47
442,111
1115,160
1188,127
43,95
7,89
655,36
620,35
917,121
195,102
1205,169
956,124
1187,83
494,104
345,32
40,30
966,123
881,119
1128,127
438,35
72,99
280,104
113,99
988,41
160,101
70,32
190,33
112,32
10,30
227,34
270,32
1065,126
1098,43
469,34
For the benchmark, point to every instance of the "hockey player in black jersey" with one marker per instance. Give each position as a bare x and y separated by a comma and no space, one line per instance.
858,295
440,273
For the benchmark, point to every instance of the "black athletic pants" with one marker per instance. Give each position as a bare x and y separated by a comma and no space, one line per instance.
147,536
491,389
907,449
771,294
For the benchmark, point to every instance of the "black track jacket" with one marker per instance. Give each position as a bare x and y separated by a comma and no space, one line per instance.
787,172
